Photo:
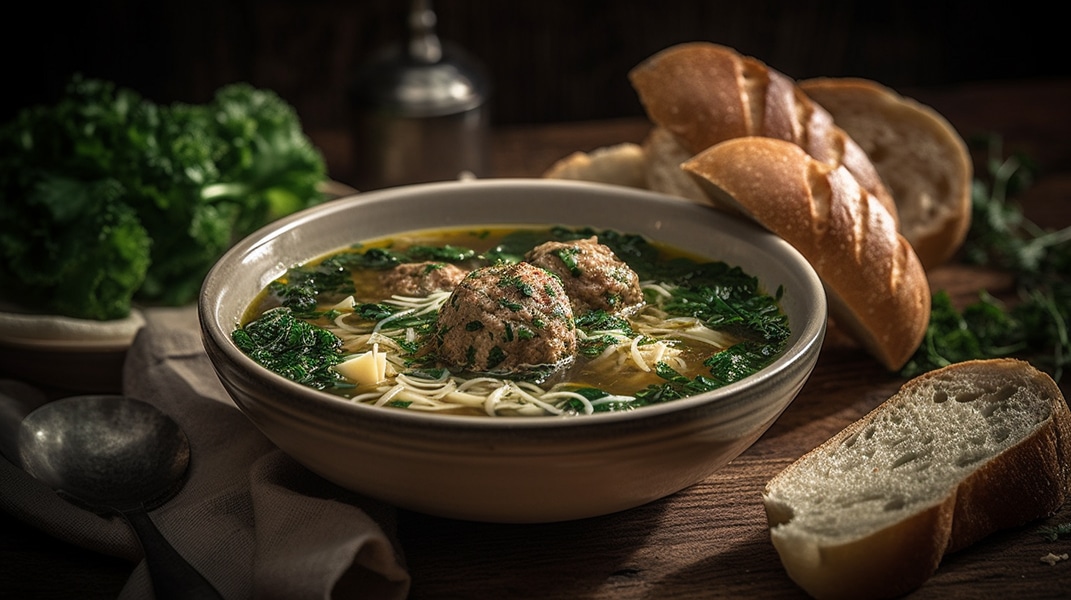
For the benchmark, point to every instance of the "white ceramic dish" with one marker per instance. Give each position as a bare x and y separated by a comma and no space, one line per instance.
89,354
520,469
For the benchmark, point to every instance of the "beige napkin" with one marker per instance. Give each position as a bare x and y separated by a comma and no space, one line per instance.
254,522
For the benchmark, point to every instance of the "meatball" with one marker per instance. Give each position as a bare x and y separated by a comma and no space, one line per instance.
593,277
507,320
421,278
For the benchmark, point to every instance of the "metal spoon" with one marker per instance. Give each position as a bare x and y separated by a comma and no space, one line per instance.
112,454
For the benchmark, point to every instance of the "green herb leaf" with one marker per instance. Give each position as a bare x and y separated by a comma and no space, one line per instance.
137,199
1033,326
293,348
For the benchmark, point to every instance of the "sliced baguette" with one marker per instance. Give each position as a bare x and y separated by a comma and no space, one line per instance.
919,155
704,93
620,164
877,289
664,174
956,454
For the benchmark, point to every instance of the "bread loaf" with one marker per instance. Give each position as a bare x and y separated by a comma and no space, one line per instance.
876,286
704,93
918,154
663,167
620,164
955,455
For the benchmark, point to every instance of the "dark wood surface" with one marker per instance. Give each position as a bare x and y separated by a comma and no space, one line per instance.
709,540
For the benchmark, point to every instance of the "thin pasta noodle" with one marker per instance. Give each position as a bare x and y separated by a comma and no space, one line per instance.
626,357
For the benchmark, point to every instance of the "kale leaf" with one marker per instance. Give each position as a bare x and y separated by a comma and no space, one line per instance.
109,198
63,256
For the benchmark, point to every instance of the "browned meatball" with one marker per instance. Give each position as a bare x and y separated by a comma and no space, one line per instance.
508,320
422,278
593,276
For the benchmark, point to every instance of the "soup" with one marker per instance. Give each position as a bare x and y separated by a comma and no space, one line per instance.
514,321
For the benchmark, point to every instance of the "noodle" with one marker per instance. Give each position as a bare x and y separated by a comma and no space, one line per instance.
626,356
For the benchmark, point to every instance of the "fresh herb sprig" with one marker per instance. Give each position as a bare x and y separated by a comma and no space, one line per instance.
1033,324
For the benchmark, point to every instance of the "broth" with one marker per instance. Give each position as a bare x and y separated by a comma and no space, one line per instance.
701,324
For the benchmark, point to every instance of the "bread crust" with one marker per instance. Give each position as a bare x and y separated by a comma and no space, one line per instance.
705,93
877,288
620,164
1029,480
918,154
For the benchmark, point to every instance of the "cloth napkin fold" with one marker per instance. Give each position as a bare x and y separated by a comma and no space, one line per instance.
254,522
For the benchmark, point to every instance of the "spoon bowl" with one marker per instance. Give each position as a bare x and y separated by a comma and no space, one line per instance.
109,452
116,455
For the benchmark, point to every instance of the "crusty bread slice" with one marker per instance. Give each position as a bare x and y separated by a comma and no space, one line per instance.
955,455
877,289
706,93
919,155
620,164
664,174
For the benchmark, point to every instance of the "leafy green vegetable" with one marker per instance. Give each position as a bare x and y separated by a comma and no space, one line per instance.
568,258
109,198
1055,532
722,297
293,348
64,254
1033,325
301,287
592,394
740,360
728,366
447,253
747,314
595,321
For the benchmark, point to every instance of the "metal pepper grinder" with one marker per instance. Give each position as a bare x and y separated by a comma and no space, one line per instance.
419,110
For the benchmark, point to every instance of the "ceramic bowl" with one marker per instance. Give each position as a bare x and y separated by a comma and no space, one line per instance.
512,469
89,353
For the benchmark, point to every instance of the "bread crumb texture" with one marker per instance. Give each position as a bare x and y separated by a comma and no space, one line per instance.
912,453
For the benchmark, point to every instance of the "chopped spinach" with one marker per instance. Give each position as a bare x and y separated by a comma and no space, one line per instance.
594,321
675,387
304,286
447,253
720,296
756,316
374,312
301,288
568,258
740,360
291,347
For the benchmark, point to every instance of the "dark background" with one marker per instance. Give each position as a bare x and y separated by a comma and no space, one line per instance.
548,61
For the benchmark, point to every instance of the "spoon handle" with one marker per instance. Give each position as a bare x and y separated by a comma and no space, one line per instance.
172,576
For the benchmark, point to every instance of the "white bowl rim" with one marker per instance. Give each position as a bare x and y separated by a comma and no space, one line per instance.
803,340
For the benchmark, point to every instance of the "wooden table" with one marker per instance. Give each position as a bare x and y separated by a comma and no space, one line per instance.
709,540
